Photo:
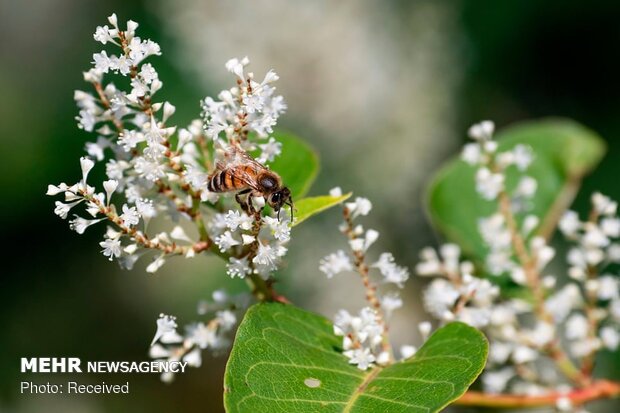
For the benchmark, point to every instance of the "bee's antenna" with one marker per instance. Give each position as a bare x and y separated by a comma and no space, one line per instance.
279,209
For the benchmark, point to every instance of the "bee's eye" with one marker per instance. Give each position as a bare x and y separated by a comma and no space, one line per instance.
275,198
268,182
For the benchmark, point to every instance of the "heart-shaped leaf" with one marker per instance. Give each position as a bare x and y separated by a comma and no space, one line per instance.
564,151
286,359
307,207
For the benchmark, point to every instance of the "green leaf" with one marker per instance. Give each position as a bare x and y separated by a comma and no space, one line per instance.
307,207
288,360
298,165
564,151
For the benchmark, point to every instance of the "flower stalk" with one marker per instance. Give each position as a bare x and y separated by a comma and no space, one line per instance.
597,390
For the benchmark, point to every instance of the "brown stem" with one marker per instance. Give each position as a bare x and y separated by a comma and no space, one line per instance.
369,286
141,238
118,124
600,389
262,289
587,363
532,275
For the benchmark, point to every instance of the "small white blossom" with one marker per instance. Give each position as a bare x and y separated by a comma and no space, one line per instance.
608,287
156,264
238,267
62,210
497,381
111,248
130,215
569,223
335,192
472,154
269,150
603,204
102,62
335,263
489,184
562,302
280,229
247,239
611,227
226,319
103,35
86,164
440,297
226,241
391,272
79,224
236,219
391,302
363,358
530,222
110,187
360,207
267,256
425,328
522,157
526,187
610,337
524,354
482,131
407,351
178,233
499,352
564,404
166,324
146,208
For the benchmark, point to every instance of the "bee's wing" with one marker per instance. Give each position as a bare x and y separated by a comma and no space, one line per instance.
233,159
238,156
248,180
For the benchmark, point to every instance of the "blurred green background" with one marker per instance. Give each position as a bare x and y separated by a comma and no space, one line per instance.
383,90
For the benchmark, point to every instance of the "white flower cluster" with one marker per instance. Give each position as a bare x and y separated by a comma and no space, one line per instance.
249,107
595,248
168,344
455,293
250,251
490,184
490,176
364,337
156,170
161,171
144,170
526,336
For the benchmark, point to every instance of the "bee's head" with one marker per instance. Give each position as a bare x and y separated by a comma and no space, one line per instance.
279,198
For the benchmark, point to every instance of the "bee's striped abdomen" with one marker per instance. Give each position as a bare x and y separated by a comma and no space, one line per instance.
225,181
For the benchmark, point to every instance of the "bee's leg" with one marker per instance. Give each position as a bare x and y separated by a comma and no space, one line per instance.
246,204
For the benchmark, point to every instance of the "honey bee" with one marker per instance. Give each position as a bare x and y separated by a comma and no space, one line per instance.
238,171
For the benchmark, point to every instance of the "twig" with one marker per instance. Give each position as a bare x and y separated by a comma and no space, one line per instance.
554,349
371,288
600,389
140,237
